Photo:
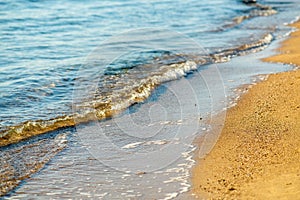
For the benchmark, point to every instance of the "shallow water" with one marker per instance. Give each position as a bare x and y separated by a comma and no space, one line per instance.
78,173
49,72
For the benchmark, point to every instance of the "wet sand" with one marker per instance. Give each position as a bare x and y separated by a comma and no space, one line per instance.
257,155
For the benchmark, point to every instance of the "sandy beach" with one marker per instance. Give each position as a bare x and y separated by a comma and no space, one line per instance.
257,155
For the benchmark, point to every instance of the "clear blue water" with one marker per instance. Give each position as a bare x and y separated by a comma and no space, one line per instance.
48,46
43,43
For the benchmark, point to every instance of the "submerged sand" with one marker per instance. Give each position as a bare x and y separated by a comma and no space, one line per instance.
258,153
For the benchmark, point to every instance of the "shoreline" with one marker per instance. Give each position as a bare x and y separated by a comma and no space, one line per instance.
257,154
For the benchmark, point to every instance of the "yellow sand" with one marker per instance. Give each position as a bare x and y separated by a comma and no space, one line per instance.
258,153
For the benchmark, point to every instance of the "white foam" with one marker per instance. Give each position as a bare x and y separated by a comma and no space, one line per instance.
156,142
132,145
171,196
136,144
174,179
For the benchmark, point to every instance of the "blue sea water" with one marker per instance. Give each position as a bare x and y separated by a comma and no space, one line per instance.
46,47
43,43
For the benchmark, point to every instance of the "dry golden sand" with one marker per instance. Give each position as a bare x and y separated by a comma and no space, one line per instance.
258,153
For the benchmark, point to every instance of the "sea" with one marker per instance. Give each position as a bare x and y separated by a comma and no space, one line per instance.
104,99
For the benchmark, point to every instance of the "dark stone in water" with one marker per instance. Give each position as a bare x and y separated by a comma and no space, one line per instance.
140,173
249,1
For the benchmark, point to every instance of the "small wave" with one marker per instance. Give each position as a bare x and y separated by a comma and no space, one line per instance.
27,129
128,89
258,11
136,144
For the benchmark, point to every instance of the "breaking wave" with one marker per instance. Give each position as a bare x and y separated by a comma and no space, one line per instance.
118,91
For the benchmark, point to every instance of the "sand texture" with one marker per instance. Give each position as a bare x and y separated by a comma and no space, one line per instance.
258,153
